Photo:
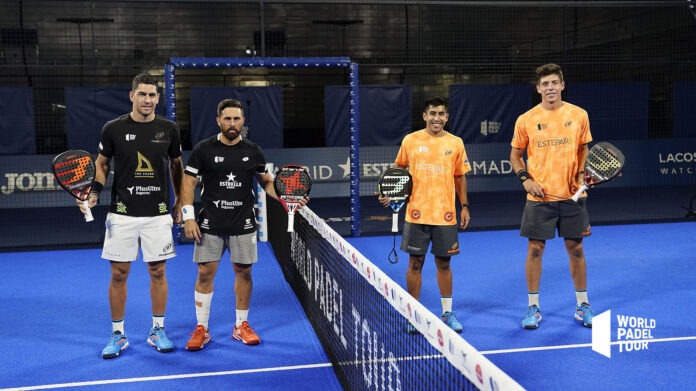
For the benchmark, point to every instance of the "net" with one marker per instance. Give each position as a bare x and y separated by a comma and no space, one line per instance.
360,314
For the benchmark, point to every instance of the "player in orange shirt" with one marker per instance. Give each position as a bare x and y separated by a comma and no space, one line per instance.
554,135
437,162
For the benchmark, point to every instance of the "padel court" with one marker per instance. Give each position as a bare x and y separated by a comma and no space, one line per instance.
56,317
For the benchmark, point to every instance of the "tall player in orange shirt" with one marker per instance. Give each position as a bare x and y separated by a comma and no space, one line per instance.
438,163
554,135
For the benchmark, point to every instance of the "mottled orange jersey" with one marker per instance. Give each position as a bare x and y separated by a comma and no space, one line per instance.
552,139
433,163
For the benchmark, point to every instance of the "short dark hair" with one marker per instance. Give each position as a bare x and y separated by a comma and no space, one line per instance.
143,78
225,103
548,69
435,101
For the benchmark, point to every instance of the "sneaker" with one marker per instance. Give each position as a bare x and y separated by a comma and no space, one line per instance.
532,318
246,334
199,337
451,319
159,340
117,343
411,329
584,314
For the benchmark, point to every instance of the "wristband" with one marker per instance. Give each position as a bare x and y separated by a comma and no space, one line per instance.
96,189
523,175
465,206
189,212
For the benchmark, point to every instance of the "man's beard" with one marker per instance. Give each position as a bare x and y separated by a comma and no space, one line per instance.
231,134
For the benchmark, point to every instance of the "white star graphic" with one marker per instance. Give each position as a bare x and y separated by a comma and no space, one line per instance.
346,167
230,178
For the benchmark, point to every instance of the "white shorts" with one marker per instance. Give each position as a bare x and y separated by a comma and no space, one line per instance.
126,234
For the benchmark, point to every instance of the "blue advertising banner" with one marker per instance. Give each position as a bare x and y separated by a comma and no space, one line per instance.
27,180
17,121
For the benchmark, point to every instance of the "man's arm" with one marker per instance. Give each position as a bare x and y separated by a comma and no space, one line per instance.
460,186
188,187
518,165
176,171
101,173
583,150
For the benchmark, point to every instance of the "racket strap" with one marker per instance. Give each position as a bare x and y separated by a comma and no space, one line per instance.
393,257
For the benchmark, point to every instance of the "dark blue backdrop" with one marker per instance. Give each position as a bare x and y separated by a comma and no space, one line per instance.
17,121
684,109
487,112
263,108
618,111
385,115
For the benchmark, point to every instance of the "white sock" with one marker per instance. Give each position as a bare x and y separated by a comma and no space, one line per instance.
157,321
202,301
446,304
117,325
242,316
533,298
581,297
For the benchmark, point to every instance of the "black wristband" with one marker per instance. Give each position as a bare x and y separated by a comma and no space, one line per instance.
523,175
465,206
96,189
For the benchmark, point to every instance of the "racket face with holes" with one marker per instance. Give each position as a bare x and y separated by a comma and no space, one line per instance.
74,170
395,183
291,184
604,162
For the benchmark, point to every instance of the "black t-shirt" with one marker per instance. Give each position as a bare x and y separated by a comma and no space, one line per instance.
141,152
227,175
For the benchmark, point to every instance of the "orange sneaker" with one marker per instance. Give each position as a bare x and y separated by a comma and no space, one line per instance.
199,337
246,334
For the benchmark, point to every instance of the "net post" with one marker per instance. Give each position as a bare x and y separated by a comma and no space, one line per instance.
354,153
169,91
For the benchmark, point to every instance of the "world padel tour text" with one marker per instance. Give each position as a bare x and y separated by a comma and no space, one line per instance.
634,333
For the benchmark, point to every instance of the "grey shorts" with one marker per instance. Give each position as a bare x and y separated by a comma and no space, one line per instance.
242,248
417,237
541,219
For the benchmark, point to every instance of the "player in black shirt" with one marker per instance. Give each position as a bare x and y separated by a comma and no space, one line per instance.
144,147
226,164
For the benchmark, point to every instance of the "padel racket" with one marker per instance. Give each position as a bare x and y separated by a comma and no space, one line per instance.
396,184
291,184
604,162
74,170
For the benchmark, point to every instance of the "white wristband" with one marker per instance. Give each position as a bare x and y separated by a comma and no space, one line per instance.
189,212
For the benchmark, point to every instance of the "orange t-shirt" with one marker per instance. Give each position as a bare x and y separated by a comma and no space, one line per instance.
433,163
552,139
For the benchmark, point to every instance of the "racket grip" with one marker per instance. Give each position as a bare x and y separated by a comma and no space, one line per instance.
578,193
88,211
291,221
395,222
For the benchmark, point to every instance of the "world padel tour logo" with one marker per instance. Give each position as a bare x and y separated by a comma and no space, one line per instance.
633,333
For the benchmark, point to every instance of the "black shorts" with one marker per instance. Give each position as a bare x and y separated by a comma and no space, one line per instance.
541,219
417,237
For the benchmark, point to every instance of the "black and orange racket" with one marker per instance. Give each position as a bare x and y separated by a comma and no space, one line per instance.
74,170
291,184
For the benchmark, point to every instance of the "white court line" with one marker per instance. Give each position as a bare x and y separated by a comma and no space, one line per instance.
168,377
582,345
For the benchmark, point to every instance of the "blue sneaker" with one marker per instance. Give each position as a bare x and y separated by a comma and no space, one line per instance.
159,340
451,319
532,318
584,314
411,329
117,343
